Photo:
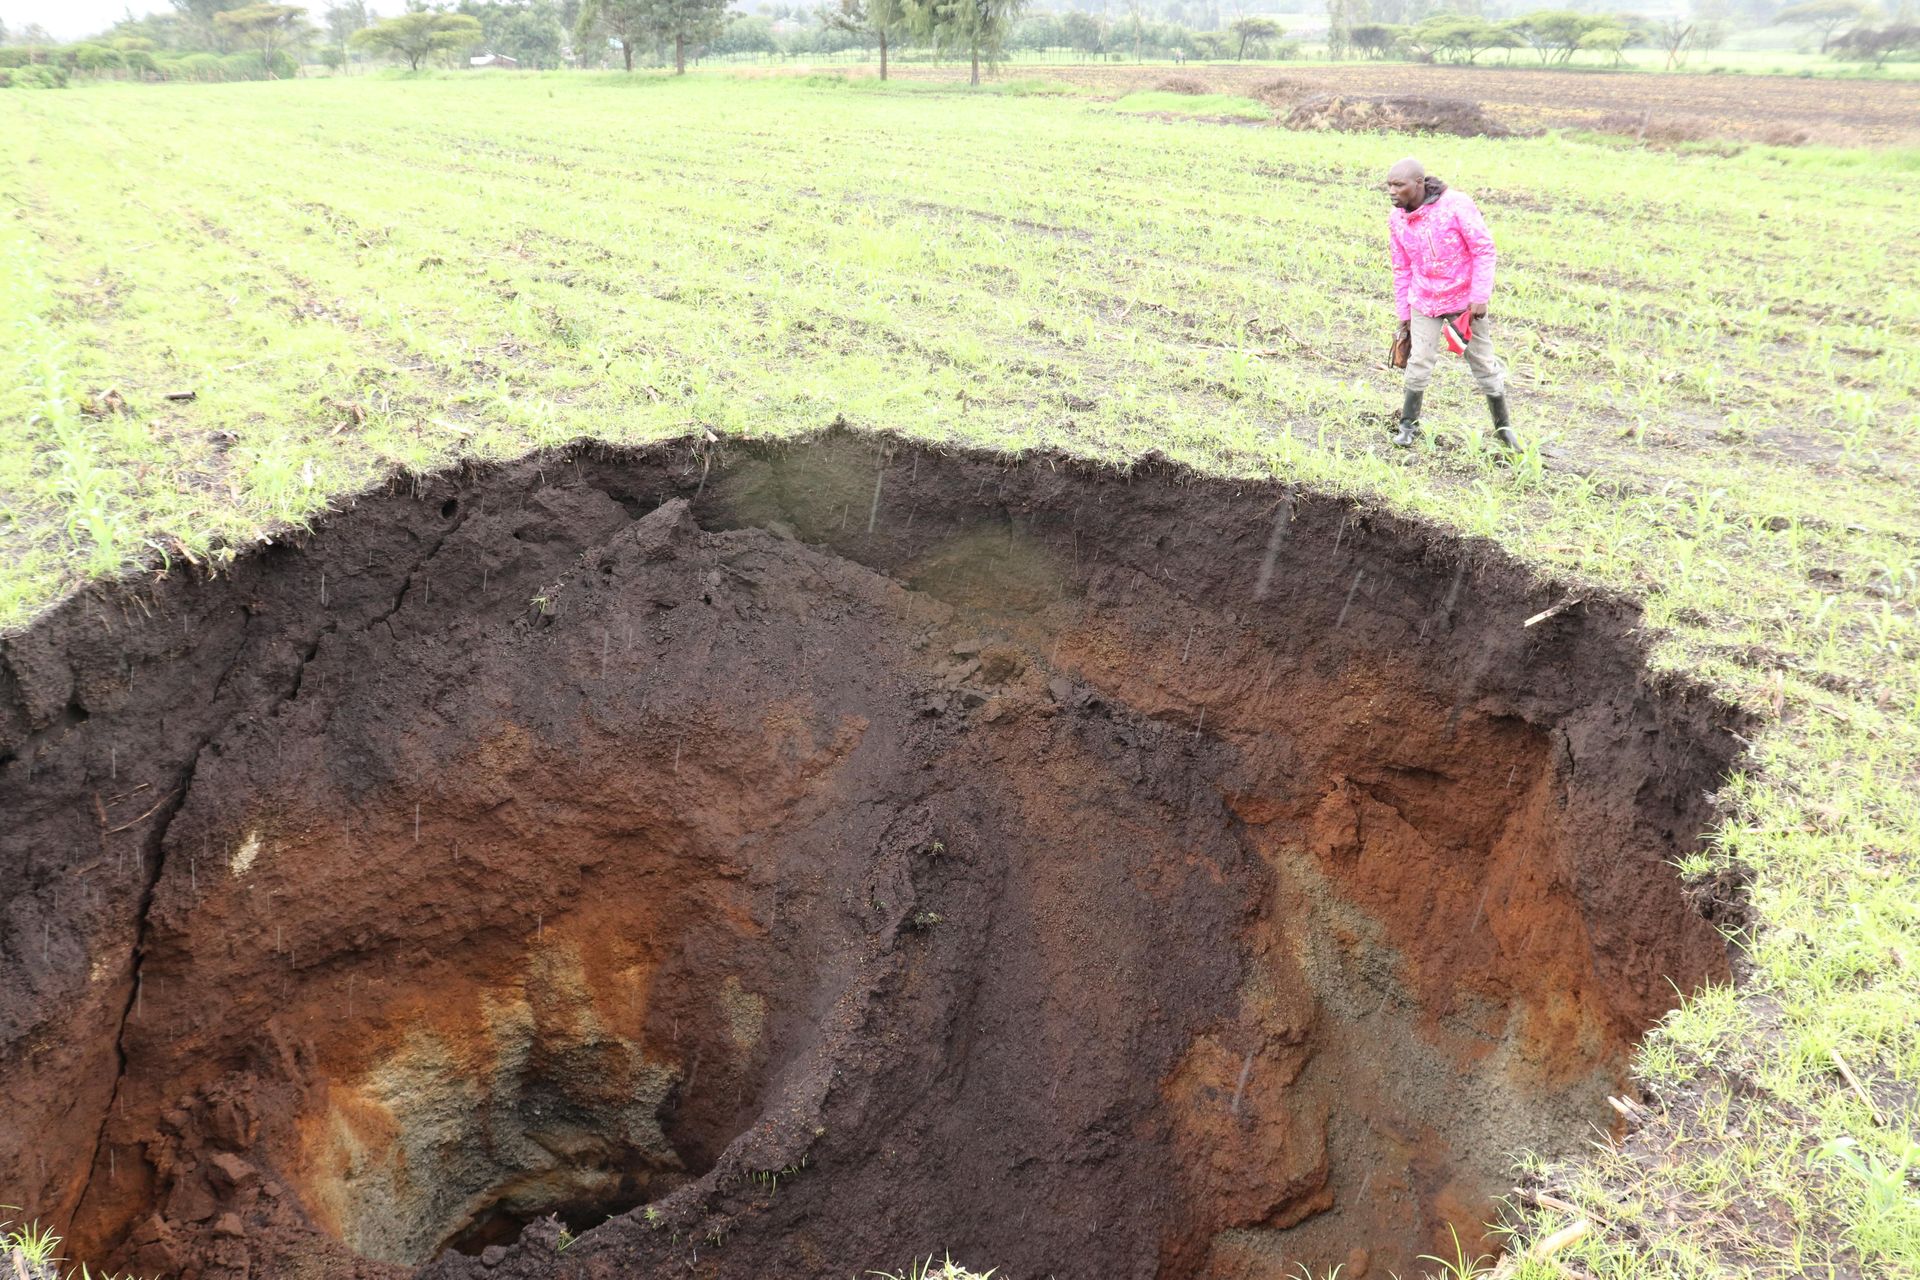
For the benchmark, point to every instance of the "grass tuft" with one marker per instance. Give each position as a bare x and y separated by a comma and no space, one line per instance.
29,1251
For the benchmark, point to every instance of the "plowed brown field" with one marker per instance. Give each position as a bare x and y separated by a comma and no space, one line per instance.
1757,108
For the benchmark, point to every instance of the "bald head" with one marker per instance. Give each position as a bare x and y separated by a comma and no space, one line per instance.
1407,183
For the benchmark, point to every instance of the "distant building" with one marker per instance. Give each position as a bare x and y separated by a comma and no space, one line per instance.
494,60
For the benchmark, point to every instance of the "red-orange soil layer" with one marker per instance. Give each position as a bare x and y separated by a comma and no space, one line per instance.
792,860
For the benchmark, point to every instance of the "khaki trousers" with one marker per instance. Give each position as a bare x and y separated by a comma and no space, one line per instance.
1488,373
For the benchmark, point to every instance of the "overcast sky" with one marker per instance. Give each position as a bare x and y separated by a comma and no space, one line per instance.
68,19
65,19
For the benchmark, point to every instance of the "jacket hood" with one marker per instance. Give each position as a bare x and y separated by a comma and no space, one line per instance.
1435,189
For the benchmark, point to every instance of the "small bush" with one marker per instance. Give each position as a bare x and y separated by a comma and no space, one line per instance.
97,59
250,66
199,66
1184,84
242,66
38,76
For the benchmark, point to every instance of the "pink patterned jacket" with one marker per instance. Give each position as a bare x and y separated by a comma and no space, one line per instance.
1442,255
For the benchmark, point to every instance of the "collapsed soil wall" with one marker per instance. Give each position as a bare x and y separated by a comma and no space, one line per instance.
1087,871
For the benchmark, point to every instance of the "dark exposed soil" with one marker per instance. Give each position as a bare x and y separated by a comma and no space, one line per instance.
1778,109
845,850
1348,113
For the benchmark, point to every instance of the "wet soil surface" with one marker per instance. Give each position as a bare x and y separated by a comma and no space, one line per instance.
796,859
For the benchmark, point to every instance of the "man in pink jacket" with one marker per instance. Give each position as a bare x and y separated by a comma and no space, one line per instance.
1442,269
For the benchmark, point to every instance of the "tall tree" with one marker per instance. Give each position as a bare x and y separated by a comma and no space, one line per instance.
1342,17
1673,34
1252,31
1609,39
1082,31
1374,38
978,26
1877,44
159,30
1555,33
528,31
1824,16
268,29
747,33
625,21
197,17
881,19
414,36
1037,31
343,18
535,35
1462,39
685,22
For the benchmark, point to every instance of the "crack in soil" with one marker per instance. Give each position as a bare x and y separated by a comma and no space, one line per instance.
155,845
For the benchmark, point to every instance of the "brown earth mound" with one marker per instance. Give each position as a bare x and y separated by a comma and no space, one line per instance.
1353,114
793,860
1281,93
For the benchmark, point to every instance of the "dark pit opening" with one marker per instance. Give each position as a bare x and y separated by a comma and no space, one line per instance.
834,853
502,1222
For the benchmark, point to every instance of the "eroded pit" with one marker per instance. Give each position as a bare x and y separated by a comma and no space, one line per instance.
820,855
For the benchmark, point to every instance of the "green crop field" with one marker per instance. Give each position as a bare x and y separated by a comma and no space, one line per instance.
1717,374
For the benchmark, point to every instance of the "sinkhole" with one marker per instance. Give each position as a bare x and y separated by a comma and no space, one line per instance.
817,855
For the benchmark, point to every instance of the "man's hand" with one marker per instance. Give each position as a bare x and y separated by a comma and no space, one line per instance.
1479,309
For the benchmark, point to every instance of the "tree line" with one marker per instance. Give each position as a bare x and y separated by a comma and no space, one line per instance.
212,40
243,39
237,39
1554,36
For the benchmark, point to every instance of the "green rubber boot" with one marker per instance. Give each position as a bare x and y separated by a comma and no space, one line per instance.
1503,424
1409,420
